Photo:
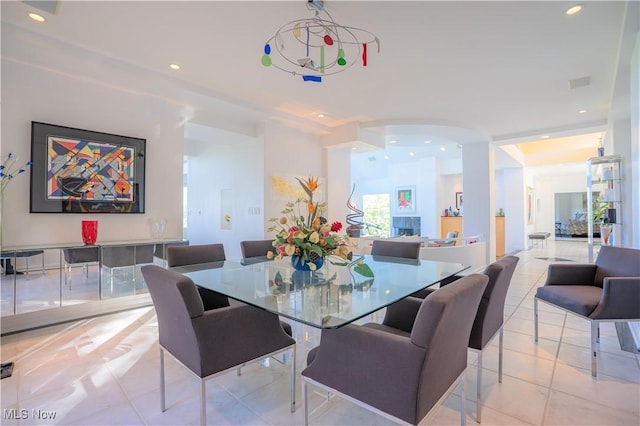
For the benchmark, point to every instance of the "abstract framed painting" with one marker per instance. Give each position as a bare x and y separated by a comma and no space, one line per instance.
84,171
405,200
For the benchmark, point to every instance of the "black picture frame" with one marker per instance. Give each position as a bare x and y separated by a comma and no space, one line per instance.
84,171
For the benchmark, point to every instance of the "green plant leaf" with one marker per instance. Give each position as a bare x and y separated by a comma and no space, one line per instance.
364,270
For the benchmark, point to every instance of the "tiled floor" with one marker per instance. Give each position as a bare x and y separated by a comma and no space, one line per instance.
105,371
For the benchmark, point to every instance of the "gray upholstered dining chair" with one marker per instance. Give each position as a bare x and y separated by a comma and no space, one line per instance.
405,249
210,342
179,255
608,290
256,248
192,255
401,374
488,319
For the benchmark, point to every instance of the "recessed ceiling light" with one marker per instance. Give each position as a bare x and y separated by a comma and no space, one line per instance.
544,137
427,141
582,111
36,17
393,141
411,154
320,115
442,148
353,149
174,66
573,9
386,157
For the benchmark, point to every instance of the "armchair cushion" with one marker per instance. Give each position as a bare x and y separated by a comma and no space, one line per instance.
581,299
219,332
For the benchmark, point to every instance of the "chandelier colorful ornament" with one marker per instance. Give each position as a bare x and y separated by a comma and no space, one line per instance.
318,46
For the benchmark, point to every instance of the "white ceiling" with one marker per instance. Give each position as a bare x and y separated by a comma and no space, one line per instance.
449,71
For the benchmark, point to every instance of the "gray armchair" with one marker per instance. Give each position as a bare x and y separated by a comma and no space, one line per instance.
405,249
256,249
210,342
206,253
397,373
488,319
608,290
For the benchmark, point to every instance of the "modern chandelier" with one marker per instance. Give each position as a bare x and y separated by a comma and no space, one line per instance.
317,46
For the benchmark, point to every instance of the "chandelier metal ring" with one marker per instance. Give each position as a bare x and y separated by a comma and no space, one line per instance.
317,46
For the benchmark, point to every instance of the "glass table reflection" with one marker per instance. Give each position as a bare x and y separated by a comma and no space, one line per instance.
329,298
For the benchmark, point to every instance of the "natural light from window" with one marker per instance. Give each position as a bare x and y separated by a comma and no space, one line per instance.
377,220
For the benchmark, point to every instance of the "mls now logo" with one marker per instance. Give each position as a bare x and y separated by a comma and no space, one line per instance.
23,414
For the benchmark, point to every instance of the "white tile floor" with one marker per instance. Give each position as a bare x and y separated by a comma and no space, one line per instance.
105,371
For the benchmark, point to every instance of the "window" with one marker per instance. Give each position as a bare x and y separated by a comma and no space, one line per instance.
377,219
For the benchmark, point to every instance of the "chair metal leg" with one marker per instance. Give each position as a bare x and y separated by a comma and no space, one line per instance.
293,380
594,339
163,406
500,347
463,397
598,339
239,372
535,319
203,402
305,398
479,390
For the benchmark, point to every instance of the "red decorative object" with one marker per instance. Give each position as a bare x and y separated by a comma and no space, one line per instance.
89,231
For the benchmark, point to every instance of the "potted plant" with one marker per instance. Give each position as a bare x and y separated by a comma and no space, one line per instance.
600,219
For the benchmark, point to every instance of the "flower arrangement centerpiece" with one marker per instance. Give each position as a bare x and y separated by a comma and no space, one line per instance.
304,234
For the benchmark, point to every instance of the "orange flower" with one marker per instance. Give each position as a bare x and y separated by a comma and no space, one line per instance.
312,184
311,207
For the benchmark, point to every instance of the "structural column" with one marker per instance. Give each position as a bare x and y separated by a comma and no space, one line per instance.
478,188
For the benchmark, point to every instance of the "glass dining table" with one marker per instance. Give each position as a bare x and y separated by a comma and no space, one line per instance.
328,298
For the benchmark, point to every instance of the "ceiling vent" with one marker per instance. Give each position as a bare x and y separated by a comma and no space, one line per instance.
49,6
372,158
579,82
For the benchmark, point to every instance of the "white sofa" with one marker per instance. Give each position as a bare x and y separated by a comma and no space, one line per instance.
473,254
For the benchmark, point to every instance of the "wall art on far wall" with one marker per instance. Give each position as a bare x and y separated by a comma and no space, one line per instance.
84,171
405,200
531,217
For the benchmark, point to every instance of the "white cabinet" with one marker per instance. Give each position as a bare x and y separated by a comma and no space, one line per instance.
604,201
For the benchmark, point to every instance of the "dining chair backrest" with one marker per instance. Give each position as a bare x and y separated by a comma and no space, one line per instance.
490,315
192,255
256,248
177,302
405,249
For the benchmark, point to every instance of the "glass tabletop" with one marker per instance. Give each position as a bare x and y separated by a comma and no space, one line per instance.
328,298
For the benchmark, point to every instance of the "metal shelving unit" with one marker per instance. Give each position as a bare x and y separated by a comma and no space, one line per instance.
604,201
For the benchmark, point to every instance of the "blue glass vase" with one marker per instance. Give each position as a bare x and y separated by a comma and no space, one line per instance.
300,265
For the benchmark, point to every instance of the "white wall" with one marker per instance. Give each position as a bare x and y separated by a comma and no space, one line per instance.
546,186
44,80
288,152
214,167
102,103
449,185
